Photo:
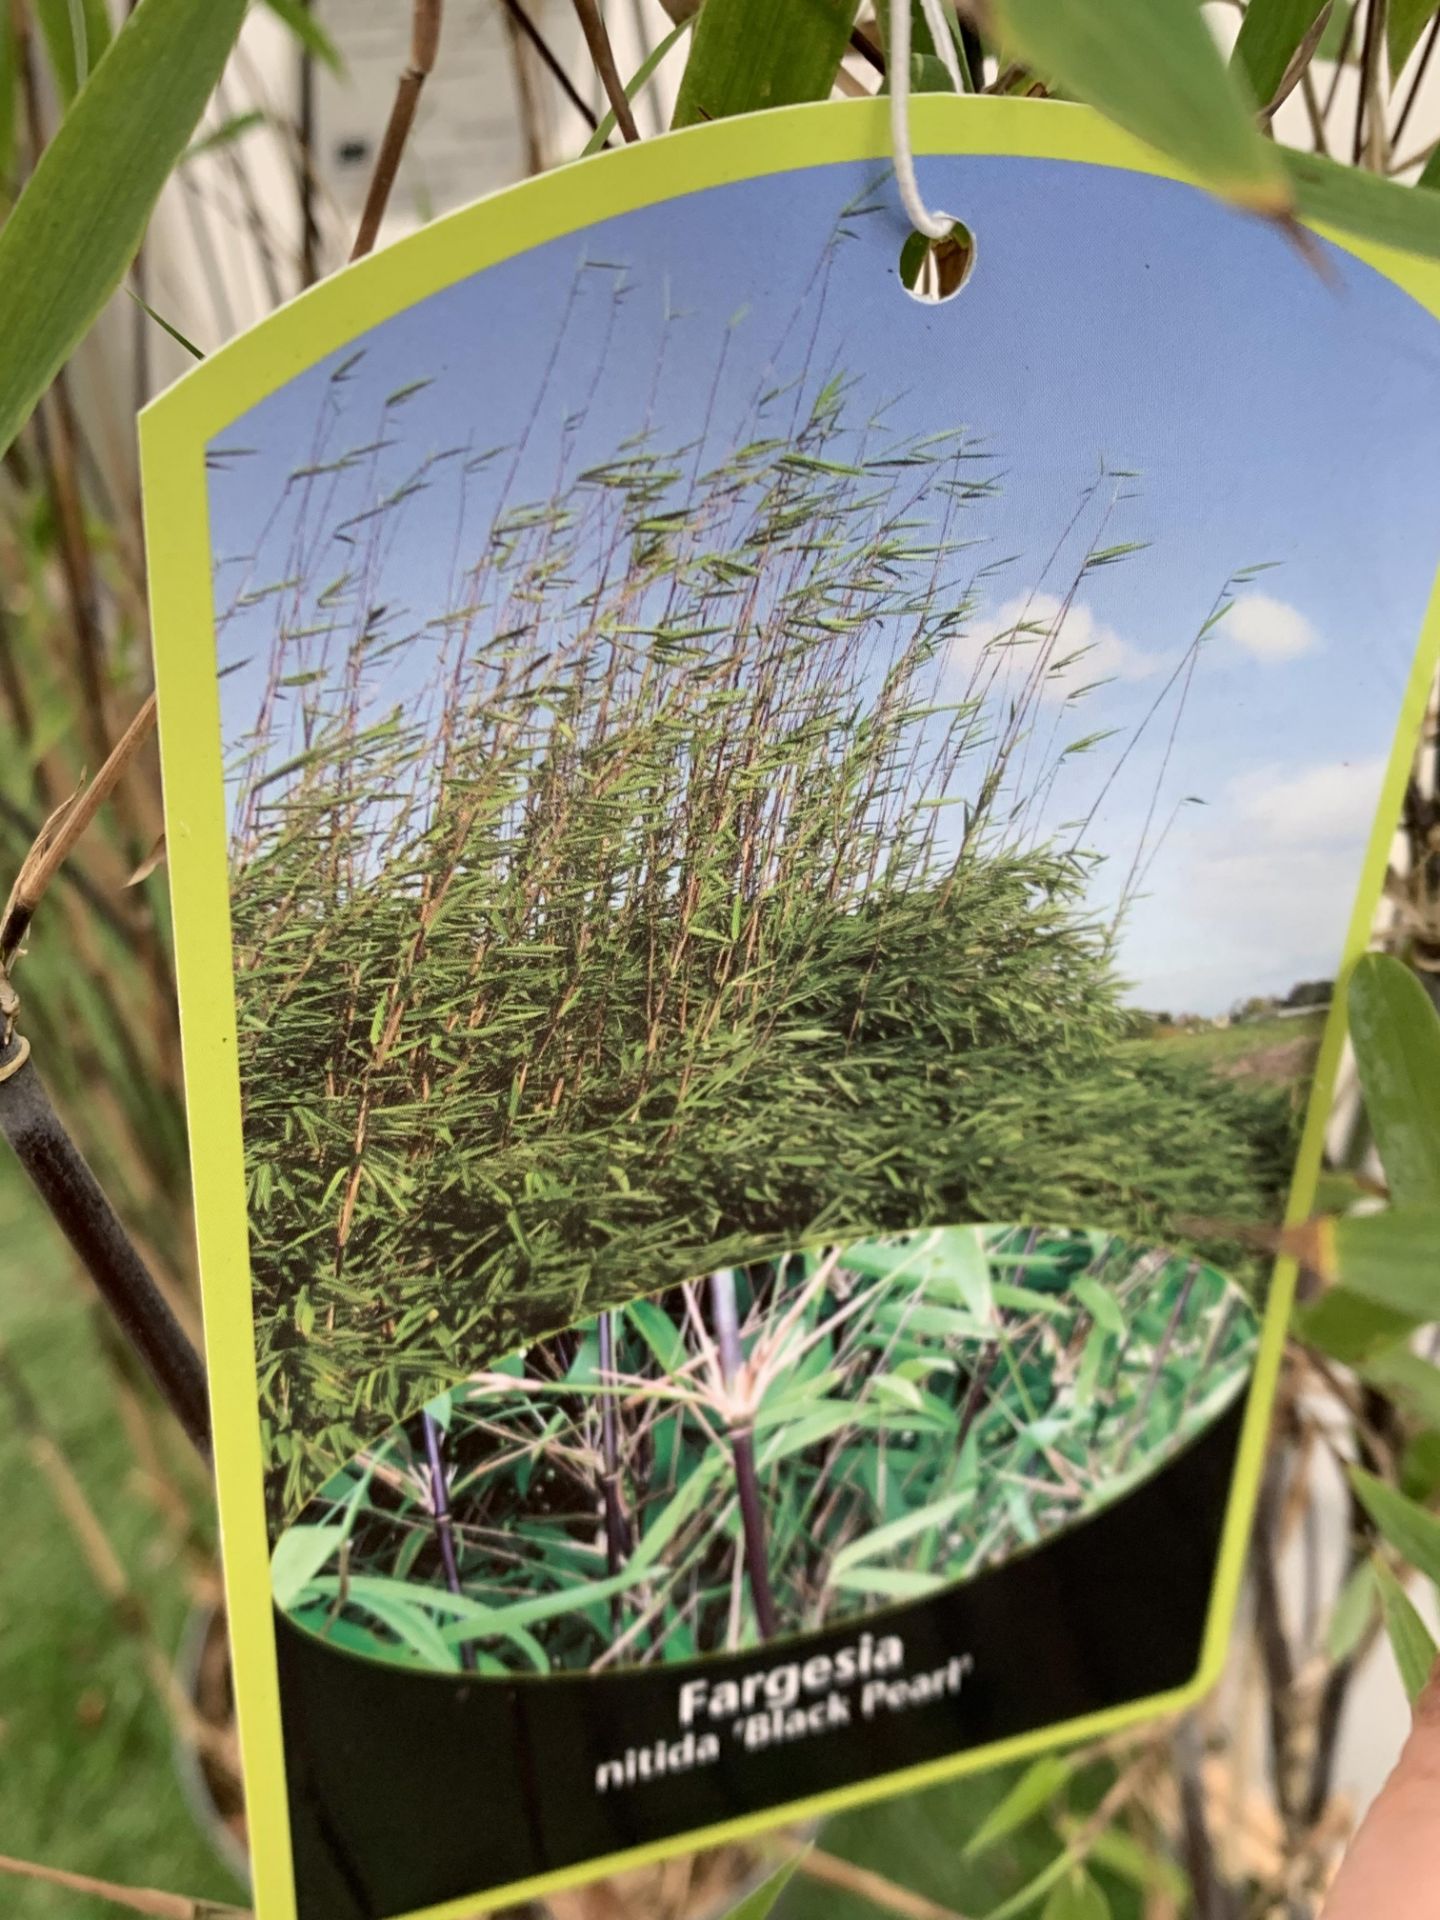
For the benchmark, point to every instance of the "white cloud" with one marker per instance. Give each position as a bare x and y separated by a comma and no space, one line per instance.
999,652
1309,806
1268,629
1270,874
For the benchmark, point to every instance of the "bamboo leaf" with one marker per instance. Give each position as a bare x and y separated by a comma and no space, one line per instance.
1405,21
1415,1651
1363,204
301,21
82,215
1408,1378
1396,1033
1030,1795
300,1554
1411,1529
1153,68
76,34
1386,1258
1271,34
750,54
1077,1897
760,1903
1350,1328
635,85
1352,1614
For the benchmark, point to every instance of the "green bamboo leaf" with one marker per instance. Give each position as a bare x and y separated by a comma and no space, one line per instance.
1405,21
1350,1328
1408,1378
1363,204
882,1540
76,34
300,1554
1270,35
1100,1304
82,215
1077,1897
1415,1651
1153,68
301,21
759,1904
1388,1257
1411,1529
1352,1614
1396,1034
1031,1794
635,85
749,54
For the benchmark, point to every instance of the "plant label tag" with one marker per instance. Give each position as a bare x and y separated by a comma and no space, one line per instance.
764,822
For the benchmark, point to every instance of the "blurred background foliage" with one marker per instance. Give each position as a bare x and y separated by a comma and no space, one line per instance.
171,170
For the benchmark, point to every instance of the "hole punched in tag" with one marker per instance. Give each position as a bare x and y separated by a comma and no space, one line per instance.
934,271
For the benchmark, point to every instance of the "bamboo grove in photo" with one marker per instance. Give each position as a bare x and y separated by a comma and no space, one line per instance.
671,897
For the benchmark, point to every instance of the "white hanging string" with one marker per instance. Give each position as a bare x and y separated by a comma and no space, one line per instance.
936,225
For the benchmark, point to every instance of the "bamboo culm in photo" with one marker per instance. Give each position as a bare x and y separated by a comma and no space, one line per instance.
742,1447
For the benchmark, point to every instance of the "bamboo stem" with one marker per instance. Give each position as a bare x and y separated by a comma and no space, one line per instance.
617,1530
424,50
561,78
742,1447
597,39
146,1900
75,1200
444,1521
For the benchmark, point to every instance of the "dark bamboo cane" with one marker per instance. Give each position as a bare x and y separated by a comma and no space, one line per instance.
72,1195
742,1447
617,1527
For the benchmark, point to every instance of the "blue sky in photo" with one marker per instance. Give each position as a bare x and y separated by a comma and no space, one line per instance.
1272,415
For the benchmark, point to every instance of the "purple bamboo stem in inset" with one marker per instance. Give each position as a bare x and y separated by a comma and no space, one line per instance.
444,1523
742,1446
617,1528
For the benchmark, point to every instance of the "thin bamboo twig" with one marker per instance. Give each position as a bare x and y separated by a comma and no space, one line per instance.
77,1203
61,832
146,1900
556,71
424,51
863,1883
597,39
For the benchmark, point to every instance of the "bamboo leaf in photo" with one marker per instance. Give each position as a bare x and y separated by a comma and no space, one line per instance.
299,1555
82,214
